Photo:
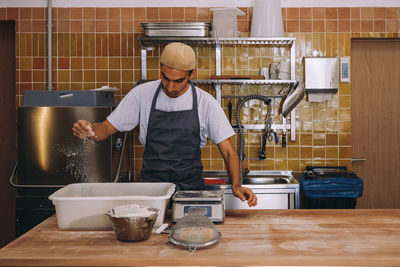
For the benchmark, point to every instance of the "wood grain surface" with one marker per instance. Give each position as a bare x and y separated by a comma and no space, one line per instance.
249,237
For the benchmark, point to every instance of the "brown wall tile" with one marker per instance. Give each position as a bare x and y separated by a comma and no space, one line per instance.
63,13
331,26
367,13
126,26
165,13
379,26
392,13
101,13
76,26
305,26
305,13
3,13
178,13
126,13
101,25
139,13
25,13
379,13
331,13
89,13
152,13
293,13
355,26
190,13
344,25
318,25
318,13
25,26
114,26
293,26
76,13
392,25
344,13
367,25
38,13
12,13
89,26
355,13
63,63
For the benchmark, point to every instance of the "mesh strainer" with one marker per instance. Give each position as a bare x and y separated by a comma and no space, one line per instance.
193,231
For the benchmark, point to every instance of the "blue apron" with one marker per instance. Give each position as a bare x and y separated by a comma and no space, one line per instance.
172,152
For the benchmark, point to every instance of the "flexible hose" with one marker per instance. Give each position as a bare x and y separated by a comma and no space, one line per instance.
267,101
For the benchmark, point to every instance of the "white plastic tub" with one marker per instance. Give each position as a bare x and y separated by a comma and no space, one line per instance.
84,205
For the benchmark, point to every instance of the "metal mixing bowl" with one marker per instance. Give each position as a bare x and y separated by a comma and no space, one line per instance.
132,227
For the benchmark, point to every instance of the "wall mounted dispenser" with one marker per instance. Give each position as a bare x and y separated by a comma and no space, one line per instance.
321,78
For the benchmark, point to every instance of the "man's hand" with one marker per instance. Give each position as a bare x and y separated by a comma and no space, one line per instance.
244,193
83,129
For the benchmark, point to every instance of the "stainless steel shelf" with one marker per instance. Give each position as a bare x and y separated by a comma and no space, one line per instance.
219,41
264,82
290,42
239,81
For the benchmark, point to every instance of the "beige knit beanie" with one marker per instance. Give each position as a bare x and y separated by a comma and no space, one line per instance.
178,56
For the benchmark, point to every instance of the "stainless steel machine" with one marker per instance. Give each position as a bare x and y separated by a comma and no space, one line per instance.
49,156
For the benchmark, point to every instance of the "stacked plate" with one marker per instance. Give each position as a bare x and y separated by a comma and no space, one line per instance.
188,29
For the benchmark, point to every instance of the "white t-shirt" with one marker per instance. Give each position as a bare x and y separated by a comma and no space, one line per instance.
134,109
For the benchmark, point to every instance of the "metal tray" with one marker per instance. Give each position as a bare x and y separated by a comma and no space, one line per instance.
193,29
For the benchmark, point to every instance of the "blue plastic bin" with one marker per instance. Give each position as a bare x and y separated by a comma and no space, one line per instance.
333,192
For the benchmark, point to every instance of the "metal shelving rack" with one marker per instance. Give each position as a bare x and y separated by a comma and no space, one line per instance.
217,43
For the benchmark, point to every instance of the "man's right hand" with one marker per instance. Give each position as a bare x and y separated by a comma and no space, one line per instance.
83,129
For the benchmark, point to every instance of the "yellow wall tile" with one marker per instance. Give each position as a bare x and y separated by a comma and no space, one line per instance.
345,139
332,152
306,152
293,152
344,114
306,139
319,139
294,165
281,164
76,76
345,152
345,101
345,126
331,139
281,152
319,152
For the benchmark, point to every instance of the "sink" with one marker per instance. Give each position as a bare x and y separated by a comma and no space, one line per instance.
252,178
274,189
266,180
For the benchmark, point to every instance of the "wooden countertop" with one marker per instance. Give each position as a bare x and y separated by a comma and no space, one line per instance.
249,237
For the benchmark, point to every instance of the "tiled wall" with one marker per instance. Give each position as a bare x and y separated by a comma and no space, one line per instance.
93,47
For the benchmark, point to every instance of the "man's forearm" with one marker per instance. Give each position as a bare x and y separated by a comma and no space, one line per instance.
231,161
232,166
103,130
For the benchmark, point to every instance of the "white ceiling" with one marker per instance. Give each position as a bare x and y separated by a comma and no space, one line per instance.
197,3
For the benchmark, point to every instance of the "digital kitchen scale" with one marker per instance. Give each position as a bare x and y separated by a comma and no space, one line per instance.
211,202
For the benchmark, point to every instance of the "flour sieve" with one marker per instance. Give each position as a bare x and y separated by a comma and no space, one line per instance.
193,231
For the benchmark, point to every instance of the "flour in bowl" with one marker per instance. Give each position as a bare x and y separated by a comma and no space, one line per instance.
132,211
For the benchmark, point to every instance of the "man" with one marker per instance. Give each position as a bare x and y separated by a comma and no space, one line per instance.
175,119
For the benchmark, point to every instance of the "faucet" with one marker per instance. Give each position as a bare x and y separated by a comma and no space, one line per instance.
267,101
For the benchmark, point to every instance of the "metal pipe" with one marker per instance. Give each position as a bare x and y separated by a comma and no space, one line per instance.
267,101
49,46
120,158
130,157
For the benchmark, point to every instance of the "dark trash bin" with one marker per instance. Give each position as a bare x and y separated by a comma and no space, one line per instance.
329,189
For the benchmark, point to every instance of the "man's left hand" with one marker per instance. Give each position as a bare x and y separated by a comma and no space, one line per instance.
244,193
